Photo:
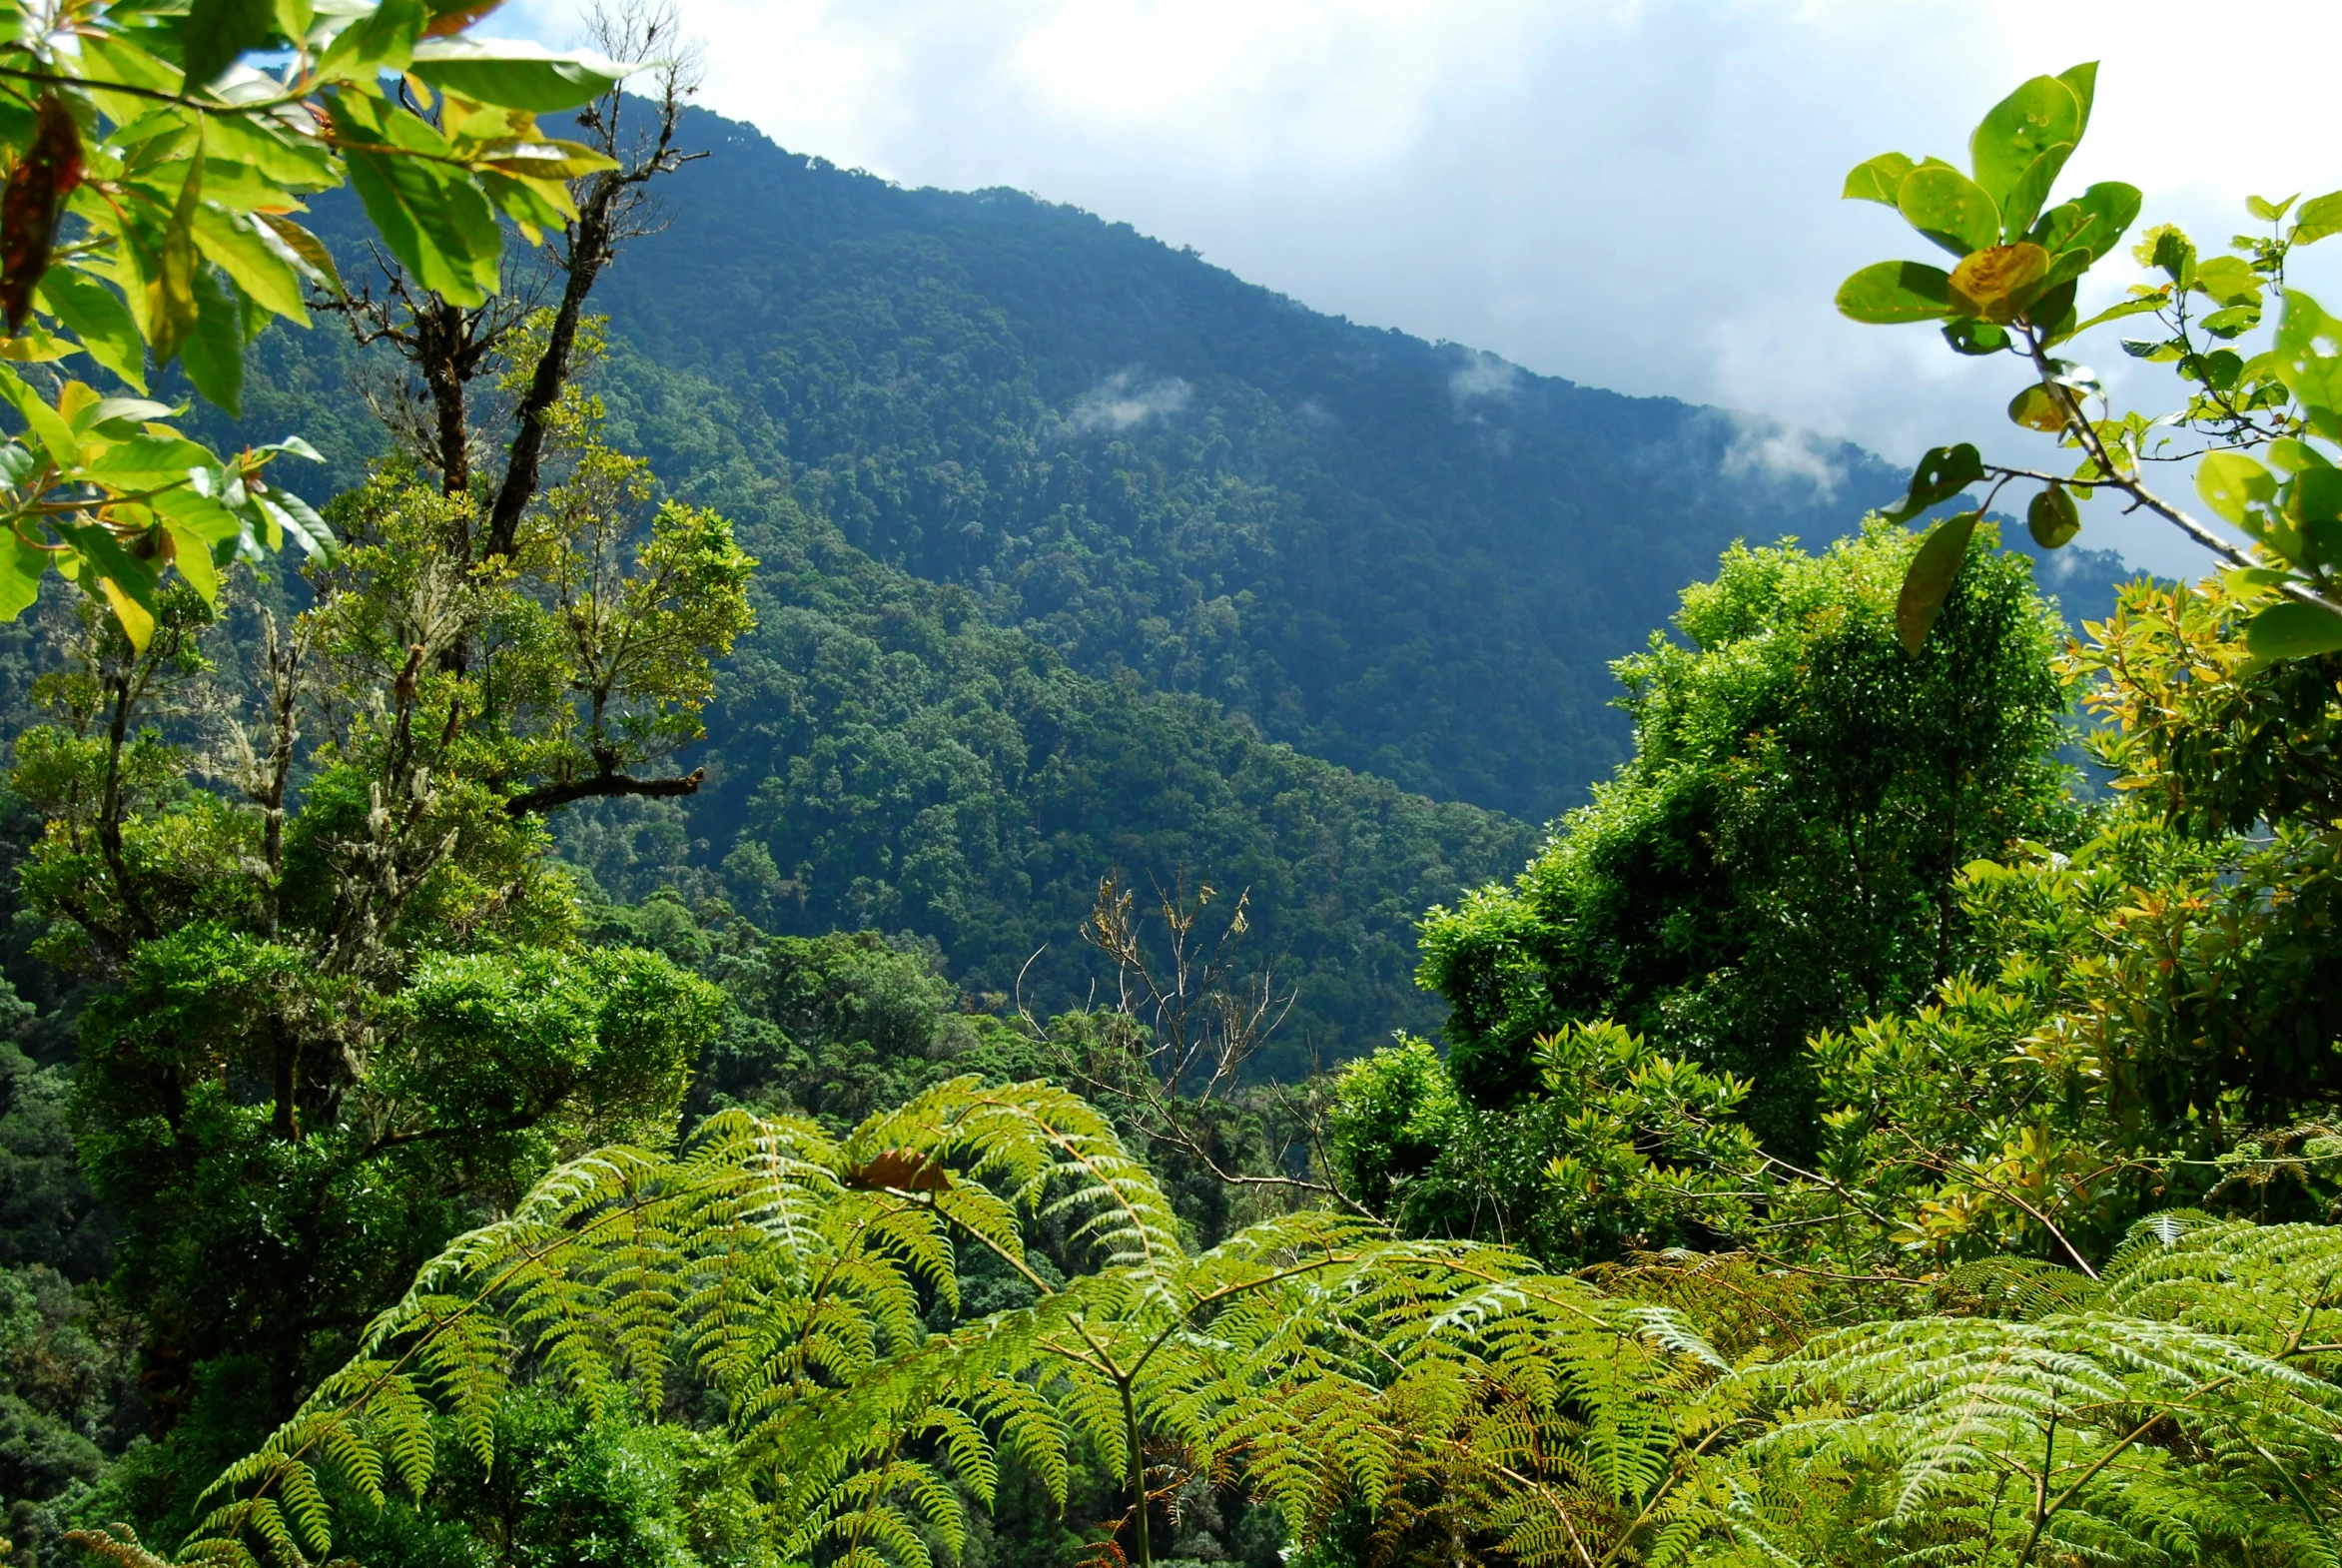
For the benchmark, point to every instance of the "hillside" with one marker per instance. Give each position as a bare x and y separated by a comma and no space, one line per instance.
1084,553
1406,557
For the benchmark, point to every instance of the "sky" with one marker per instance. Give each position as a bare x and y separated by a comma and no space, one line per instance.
1632,194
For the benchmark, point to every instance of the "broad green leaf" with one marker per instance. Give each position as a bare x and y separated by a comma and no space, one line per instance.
43,423
2308,351
2234,486
2293,631
270,148
1942,473
1886,293
382,40
2168,247
2295,455
543,160
2115,312
1949,209
2053,518
2315,497
148,462
430,214
2094,221
2267,210
1969,336
2041,115
213,354
2023,202
1996,284
2228,279
311,256
128,581
218,31
2233,322
253,257
21,566
1928,583
1876,180
193,557
2320,216
534,205
171,304
298,519
118,417
2037,408
99,319
2082,81
516,74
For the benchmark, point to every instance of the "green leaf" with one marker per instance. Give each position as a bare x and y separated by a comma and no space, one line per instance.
270,148
2267,210
2042,118
308,252
2315,497
1968,335
254,257
128,581
2234,486
43,423
2023,202
2293,631
2115,312
2295,455
191,555
2053,518
381,41
1888,293
1928,583
148,462
213,354
1942,473
1949,209
2233,322
2308,351
216,31
432,214
171,306
21,566
2082,81
2037,408
2320,216
2228,279
1876,180
99,319
513,75
543,160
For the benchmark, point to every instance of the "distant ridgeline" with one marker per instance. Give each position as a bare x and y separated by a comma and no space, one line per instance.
1028,483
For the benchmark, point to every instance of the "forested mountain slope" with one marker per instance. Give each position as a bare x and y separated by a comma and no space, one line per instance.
1063,527
1410,558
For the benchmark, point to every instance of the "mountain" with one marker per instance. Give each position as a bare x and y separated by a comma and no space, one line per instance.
1082,553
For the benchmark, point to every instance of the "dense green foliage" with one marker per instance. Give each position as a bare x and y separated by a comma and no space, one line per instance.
1777,858
1855,1142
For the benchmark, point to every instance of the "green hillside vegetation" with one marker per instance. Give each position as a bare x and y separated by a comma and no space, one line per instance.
454,1114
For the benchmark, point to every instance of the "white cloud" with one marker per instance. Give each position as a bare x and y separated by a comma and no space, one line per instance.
1768,449
1635,194
1126,399
1483,375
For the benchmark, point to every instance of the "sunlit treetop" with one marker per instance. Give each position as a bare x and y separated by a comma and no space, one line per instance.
158,154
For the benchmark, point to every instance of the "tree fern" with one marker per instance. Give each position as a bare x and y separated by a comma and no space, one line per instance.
1414,1390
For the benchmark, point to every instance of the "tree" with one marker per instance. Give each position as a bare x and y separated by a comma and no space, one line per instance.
117,245
1780,855
2022,259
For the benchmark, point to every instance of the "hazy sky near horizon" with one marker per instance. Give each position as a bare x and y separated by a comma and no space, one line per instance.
1632,194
